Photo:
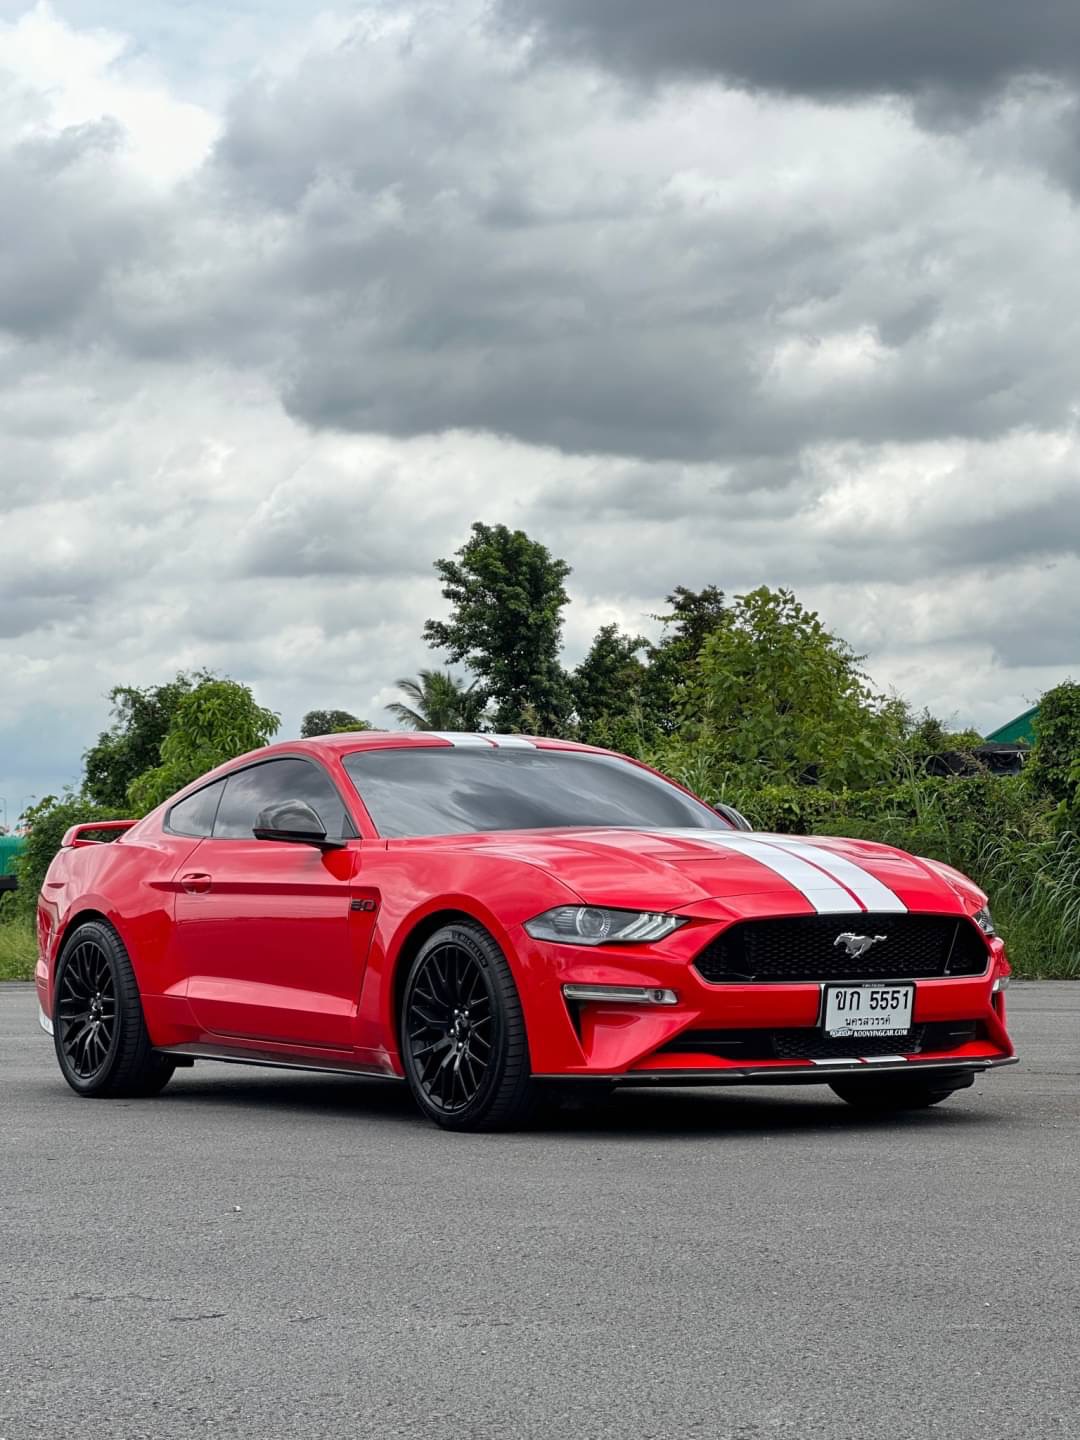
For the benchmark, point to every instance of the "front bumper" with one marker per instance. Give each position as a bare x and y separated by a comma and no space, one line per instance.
655,1044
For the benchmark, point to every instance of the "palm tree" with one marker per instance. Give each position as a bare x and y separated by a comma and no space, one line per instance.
440,701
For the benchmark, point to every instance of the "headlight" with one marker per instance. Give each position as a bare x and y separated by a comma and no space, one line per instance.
589,925
984,920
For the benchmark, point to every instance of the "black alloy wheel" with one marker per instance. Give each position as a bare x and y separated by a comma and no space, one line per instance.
451,1026
99,1031
463,1041
86,1010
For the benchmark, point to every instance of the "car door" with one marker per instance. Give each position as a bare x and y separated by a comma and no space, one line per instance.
274,935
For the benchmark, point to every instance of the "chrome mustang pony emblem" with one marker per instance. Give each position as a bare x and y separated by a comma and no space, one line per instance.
857,945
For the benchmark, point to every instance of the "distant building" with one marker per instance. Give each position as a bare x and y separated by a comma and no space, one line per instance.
1020,731
10,847
1003,752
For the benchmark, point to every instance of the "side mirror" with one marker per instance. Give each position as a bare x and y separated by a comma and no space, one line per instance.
295,822
733,817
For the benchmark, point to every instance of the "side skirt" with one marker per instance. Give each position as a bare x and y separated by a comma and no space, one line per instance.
272,1062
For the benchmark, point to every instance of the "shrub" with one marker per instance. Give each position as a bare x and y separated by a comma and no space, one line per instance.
46,823
1050,771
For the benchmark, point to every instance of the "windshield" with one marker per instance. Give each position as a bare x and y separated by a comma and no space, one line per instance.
422,791
418,791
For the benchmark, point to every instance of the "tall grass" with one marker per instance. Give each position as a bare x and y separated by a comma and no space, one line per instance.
1033,881
18,950
1034,889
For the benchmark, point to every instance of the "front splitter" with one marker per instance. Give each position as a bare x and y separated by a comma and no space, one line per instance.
814,1073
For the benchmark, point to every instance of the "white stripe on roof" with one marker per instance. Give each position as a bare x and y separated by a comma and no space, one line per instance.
461,738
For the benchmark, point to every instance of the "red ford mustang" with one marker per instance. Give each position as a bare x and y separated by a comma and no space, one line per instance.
484,914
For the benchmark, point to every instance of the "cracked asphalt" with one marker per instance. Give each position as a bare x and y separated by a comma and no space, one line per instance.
256,1253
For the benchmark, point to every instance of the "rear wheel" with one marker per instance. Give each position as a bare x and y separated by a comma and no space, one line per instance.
463,1040
98,1028
899,1092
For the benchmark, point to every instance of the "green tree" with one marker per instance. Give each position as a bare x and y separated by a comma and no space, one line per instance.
507,596
607,690
132,744
1053,771
218,720
775,698
440,701
330,722
693,616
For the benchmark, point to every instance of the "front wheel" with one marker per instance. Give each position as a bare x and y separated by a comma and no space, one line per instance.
463,1040
100,1035
899,1092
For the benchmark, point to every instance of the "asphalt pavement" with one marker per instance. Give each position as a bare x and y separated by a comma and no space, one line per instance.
275,1255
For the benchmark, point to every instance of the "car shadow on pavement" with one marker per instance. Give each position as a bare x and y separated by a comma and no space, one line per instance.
252,1087
669,1113
764,1111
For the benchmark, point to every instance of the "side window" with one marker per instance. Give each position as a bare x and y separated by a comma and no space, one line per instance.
251,790
195,815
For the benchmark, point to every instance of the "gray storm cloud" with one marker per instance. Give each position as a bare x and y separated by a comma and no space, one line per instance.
832,49
406,241
758,325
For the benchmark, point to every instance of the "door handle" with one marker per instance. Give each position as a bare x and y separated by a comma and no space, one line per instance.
195,883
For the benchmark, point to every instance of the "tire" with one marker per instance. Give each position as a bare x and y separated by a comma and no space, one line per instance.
103,1051
901,1092
462,1033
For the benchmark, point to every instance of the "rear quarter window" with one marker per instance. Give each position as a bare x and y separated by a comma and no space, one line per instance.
195,815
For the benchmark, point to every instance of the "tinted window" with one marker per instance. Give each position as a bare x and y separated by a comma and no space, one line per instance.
413,791
249,791
195,815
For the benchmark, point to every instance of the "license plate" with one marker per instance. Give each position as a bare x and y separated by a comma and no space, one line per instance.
868,1009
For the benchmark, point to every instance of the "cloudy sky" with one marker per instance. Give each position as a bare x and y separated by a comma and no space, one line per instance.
697,292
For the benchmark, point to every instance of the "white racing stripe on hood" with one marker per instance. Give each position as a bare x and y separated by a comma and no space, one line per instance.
868,888
820,889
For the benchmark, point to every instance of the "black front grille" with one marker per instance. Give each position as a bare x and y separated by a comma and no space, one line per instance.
746,1046
808,947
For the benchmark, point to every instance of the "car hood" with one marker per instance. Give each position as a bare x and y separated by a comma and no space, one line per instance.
677,869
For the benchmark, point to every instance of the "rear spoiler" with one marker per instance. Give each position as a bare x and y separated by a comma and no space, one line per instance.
83,834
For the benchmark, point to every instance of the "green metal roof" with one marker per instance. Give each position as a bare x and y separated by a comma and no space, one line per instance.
1018,731
10,846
